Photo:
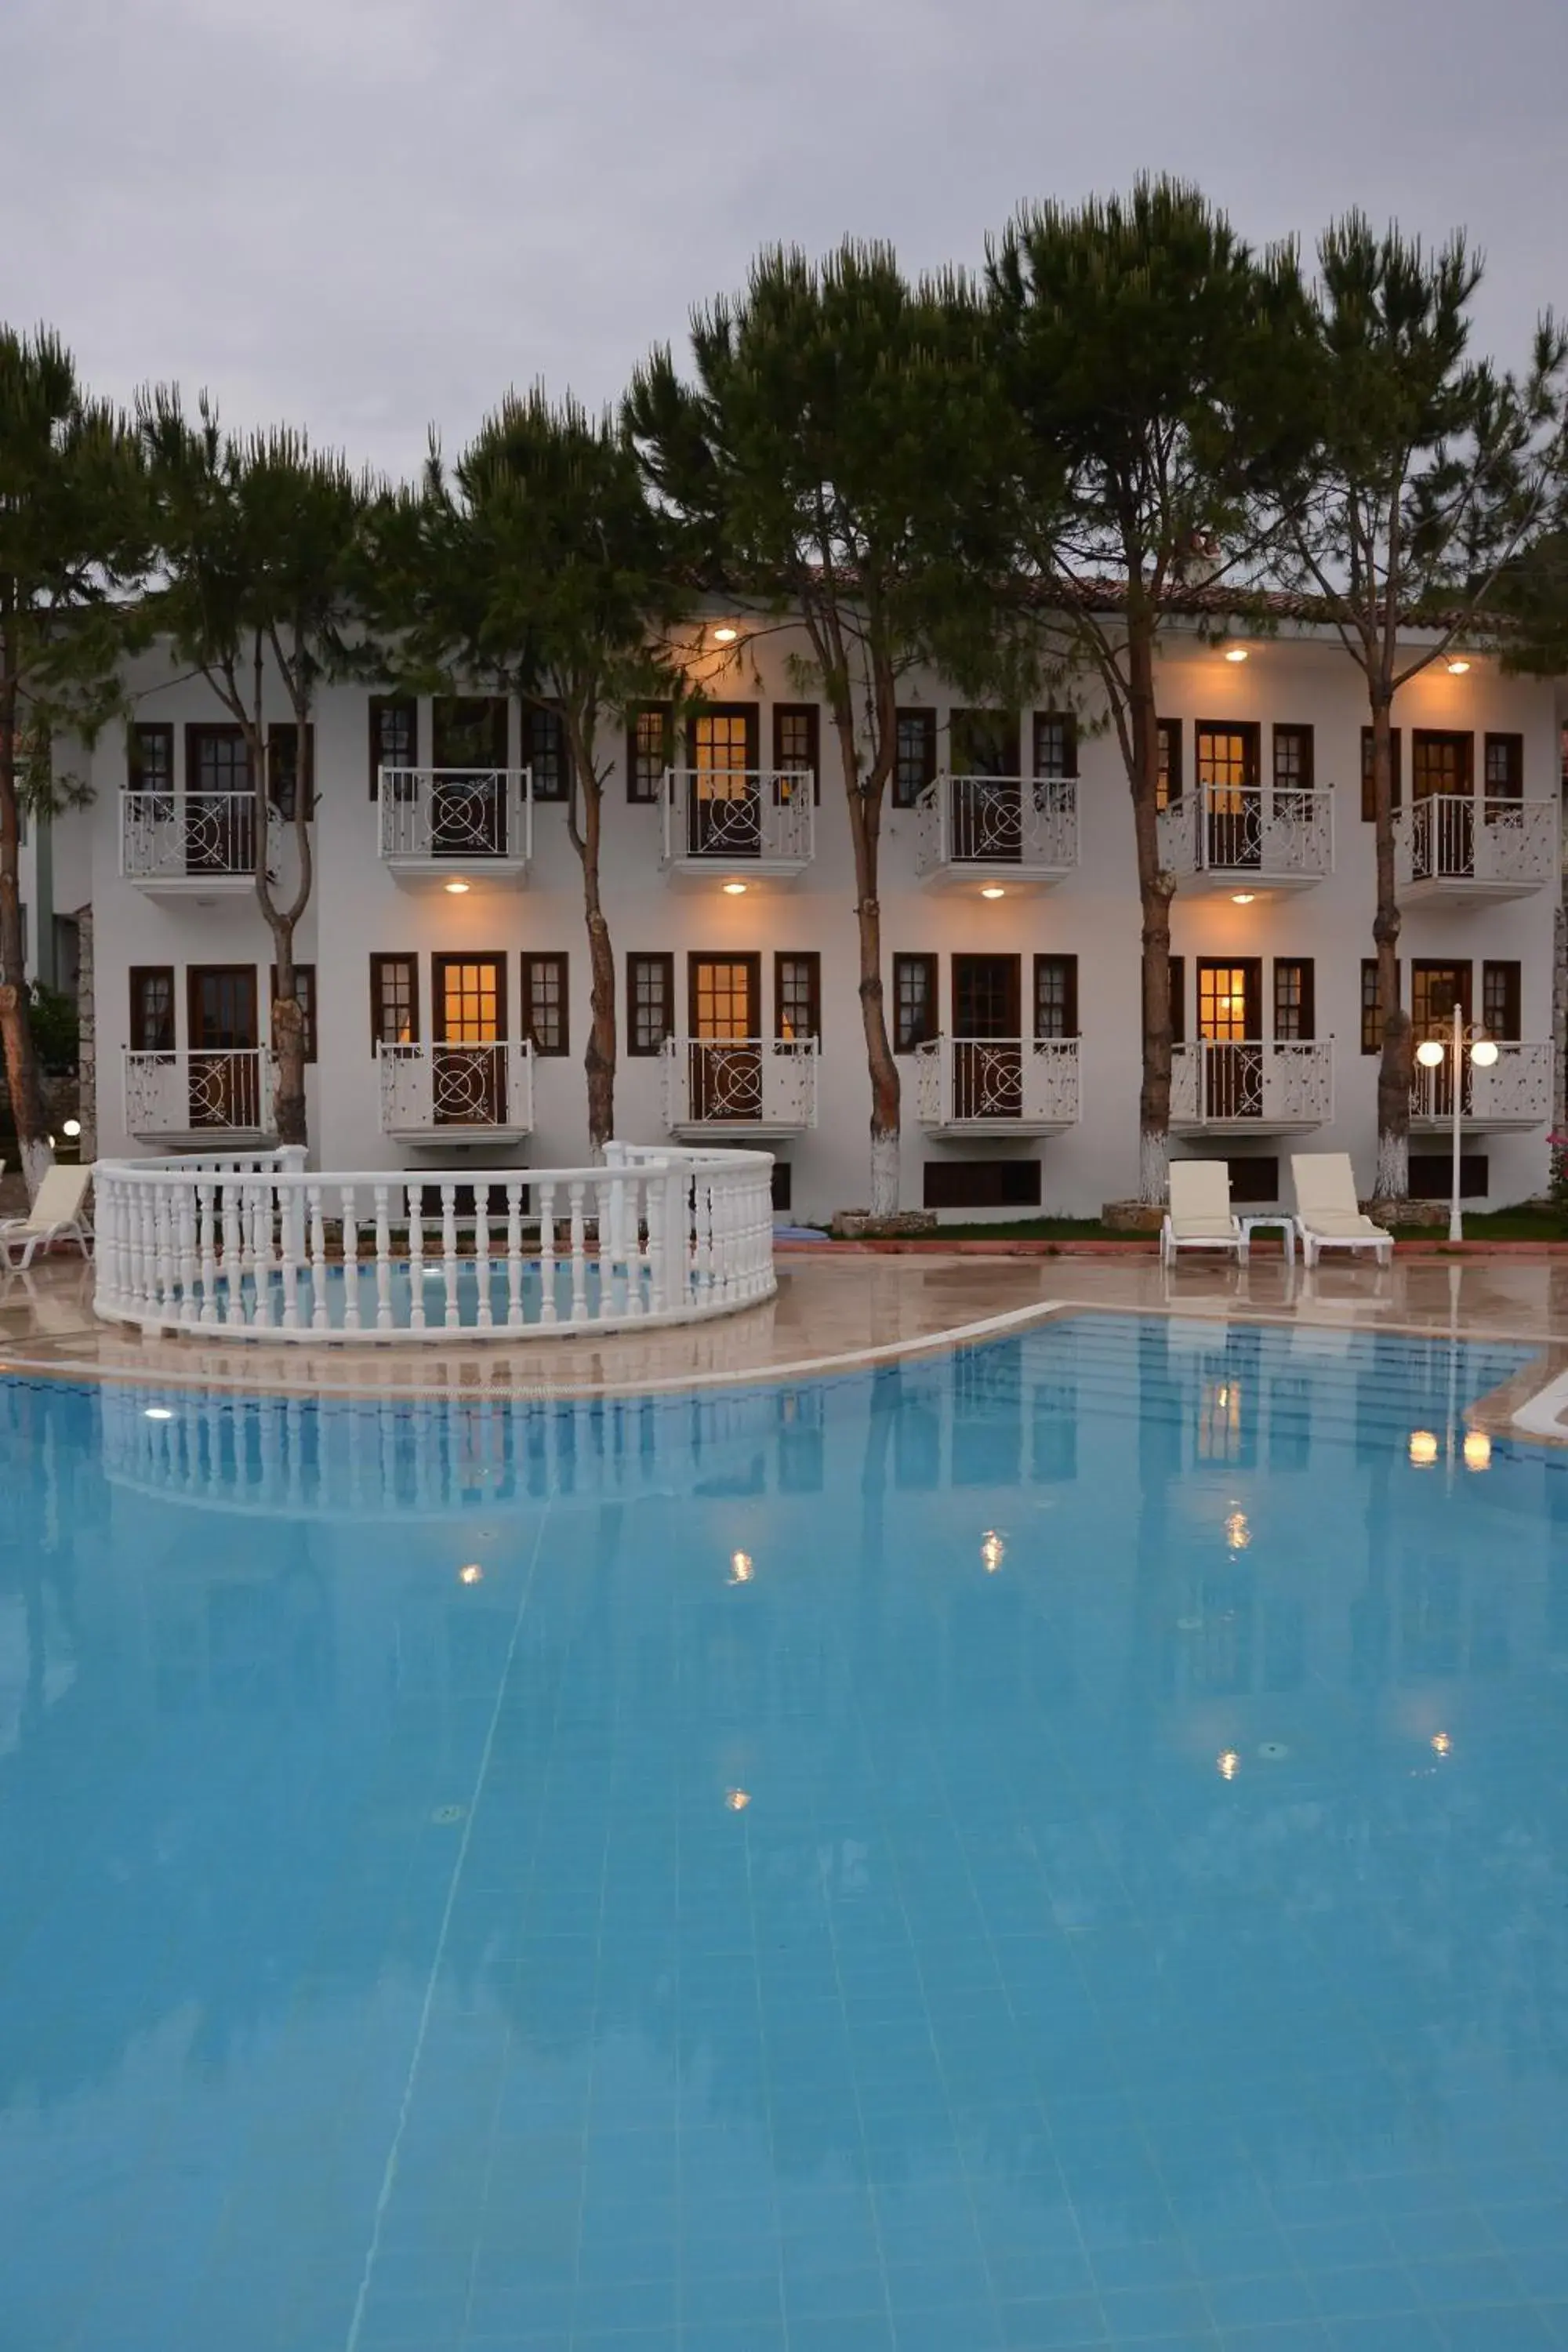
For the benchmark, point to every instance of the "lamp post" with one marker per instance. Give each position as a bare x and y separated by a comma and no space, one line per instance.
1432,1053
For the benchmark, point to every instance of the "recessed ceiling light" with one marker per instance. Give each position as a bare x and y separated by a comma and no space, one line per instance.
1236,653
1242,897
734,889
994,890
726,635
1457,669
457,890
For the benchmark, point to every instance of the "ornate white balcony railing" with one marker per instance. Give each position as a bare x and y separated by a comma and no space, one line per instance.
429,1090
1027,825
190,838
1274,833
1027,1082
767,1083
455,816
1502,847
220,1092
262,1250
761,817
1227,1082
1515,1091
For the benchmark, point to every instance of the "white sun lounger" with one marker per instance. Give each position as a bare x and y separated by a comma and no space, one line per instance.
55,1215
1328,1215
1200,1215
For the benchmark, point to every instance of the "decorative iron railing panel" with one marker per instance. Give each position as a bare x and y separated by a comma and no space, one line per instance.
459,814
1283,832
1455,837
1230,1082
1029,822
965,1081
226,1090
180,837
1514,1091
425,1088
755,1081
738,816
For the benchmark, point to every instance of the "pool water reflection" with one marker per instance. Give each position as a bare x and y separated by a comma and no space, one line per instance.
1065,1842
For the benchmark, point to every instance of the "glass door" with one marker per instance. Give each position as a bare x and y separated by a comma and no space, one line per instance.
1230,1028
468,794
1227,782
225,1075
723,816
988,806
469,1059
1435,989
725,1062
987,1041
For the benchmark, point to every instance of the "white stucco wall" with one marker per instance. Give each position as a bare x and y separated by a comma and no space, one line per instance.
360,909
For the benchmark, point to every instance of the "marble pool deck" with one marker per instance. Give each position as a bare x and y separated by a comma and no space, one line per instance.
835,1310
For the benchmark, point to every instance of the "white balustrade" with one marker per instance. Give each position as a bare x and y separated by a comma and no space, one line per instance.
762,817
218,1091
1513,1091
254,1244
424,1089
1031,1082
761,1082
1279,833
1507,846
189,838
455,816
1242,1082
1026,824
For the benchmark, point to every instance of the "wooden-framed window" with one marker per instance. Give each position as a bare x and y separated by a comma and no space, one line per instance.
1168,743
149,758
217,759
651,750
914,757
468,730
1056,996
1396,776
545,749
650,1002
1293,759
1442,760
1503,769
797,997
152,1008
394,1000
1371,1008
393,740
1436,986
1055,744
914,1002
546,1014
1225,759
1502,1000
1295,1001
283,768
305,996
983,743
797,741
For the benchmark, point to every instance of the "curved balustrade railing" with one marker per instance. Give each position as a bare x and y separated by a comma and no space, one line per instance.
258,1247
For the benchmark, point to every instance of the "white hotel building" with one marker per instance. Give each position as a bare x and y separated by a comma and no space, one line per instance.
447,963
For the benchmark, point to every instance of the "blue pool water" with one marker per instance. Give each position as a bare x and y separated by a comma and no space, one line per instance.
1092,1871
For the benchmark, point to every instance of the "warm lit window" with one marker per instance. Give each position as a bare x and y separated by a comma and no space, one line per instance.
1441,762
650,1002
1227,763
394,1000
650,751
1168,743
1056,996
544,1007
797,997
1396,779
1436,990
914,763
914,1002
1294,990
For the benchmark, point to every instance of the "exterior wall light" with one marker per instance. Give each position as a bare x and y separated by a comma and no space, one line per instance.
734,889
994,890
1242,897
1236,653
457,890
1457,669
726,635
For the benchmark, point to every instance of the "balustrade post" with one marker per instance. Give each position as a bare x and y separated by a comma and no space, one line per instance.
484,1318
208,1252
320,1320
514,1315
579,1252
450,1318
413,1195
547,1313
350,1255
658,1246
382,1259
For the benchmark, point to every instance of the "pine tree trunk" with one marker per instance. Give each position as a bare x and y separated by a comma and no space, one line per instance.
16,1033
599,1061
1393,1179
865,831
287,1041
1156,889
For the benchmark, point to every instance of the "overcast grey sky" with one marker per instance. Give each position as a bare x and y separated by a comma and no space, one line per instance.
364,215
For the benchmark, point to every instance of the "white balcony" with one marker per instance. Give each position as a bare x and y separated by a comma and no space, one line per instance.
1249,1087
180,844
738,824
441,825
1256,837
1455,849
997,1086
199,1098
1008,834
454,1096
740,1085
1515,1092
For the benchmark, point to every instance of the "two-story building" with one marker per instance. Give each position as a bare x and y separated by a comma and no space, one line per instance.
446,972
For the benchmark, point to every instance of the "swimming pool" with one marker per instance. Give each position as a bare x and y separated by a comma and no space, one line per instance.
1062,1842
